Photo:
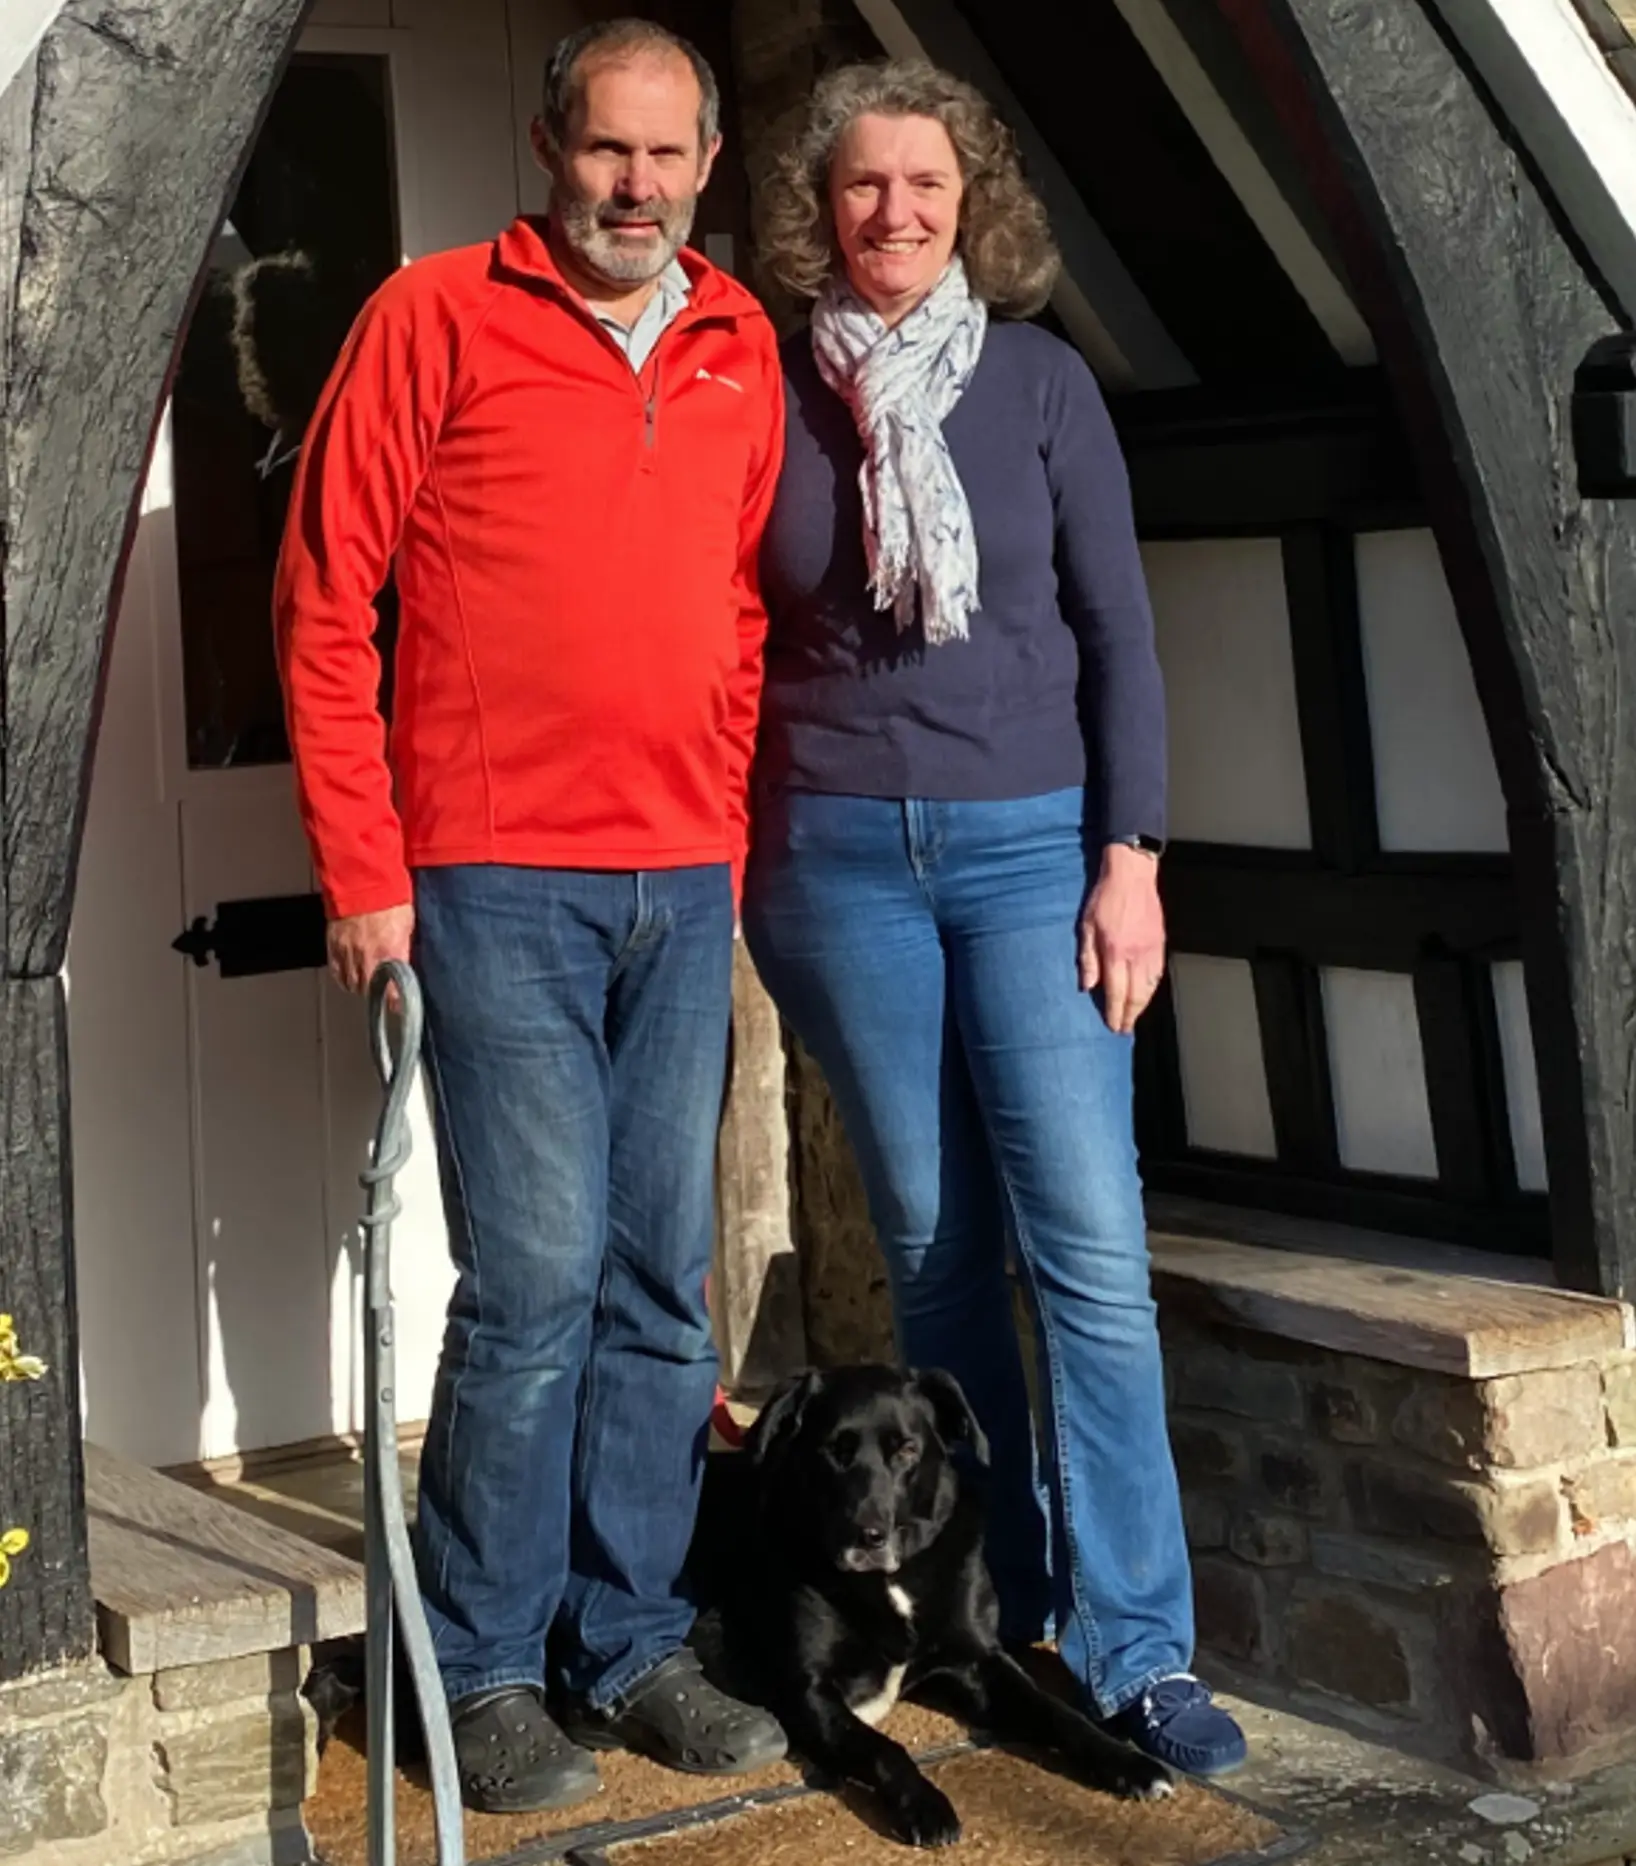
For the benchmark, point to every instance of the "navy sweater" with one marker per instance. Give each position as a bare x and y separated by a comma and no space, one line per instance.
1058,685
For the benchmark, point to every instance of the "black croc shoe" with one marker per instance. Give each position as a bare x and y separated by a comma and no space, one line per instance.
677,1717
513,1759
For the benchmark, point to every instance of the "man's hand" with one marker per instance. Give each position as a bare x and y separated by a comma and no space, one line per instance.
1122,936
360,942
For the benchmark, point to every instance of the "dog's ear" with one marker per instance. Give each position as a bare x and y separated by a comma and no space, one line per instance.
951,1410
780,1419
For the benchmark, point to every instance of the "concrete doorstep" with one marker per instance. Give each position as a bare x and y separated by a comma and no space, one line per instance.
1361,1803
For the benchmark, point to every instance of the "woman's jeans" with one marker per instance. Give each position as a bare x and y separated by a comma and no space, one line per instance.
925,954
576,1036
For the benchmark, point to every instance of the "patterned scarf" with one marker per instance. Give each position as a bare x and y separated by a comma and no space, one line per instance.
900,385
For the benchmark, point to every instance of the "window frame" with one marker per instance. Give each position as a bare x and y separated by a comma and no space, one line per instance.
182,781
1315,470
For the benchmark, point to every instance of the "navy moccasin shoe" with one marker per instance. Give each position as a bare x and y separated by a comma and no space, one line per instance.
1176,1721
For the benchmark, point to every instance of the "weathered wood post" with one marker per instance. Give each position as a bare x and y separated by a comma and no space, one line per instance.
756,1292
1483,310
121,140
45,1609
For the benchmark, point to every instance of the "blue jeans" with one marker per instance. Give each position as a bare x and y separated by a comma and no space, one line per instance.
576,1034
924,952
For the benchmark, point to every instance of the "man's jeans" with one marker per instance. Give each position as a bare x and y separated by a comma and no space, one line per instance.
576,1033
925,954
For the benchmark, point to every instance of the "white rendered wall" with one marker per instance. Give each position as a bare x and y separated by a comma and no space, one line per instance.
1378,1073
1436,786
1222,621
1224,1074
23,25
1521,1077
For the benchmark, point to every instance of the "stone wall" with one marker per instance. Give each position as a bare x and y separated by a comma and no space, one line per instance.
1444,1561
206,1764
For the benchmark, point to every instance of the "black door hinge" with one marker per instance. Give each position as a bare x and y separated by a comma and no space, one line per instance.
277,933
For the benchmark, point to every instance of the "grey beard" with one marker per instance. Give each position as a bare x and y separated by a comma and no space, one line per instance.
602,252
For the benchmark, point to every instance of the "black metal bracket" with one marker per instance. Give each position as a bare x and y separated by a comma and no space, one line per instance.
1604,418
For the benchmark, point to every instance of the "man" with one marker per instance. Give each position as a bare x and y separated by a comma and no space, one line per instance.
566,443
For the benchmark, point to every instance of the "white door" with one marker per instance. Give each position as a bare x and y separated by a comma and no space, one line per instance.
220,1122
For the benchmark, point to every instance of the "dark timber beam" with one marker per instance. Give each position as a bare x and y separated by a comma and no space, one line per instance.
120,143
45,1607
1483,309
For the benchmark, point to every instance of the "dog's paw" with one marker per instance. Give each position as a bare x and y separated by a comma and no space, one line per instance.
1140,1778
925,1817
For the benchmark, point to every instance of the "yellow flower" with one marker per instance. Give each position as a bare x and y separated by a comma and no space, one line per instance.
12,1542
13,1364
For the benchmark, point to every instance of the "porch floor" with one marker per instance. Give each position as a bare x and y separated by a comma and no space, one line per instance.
1015,1814
319,1496
1311,1791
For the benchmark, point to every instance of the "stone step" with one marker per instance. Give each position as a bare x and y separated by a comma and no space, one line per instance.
181,1578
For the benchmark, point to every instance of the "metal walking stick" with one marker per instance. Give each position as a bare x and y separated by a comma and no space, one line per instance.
393,1592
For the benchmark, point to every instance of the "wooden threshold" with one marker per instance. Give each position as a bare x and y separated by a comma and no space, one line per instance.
274,1460
182,1578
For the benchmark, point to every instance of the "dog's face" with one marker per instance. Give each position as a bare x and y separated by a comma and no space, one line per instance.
855,1464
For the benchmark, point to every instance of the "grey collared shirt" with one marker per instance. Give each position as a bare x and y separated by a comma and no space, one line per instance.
657,315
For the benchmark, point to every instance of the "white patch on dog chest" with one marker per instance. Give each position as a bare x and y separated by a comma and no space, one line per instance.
872,1710
900,1600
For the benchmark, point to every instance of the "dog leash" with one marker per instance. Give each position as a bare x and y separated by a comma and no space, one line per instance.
393,1593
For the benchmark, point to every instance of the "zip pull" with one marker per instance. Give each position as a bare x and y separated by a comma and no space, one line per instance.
650,409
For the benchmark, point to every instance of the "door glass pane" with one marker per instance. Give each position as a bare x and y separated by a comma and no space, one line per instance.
310,234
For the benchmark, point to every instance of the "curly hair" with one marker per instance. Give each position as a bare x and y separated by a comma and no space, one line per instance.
1004,238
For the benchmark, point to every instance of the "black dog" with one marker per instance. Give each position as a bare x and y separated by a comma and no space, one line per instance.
869,1583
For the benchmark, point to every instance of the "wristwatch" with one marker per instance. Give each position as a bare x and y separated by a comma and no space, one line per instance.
1149,845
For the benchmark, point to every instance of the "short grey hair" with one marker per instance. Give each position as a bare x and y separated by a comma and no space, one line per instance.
613,40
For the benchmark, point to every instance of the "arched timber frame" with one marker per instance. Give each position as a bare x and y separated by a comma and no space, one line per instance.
120,143
121,140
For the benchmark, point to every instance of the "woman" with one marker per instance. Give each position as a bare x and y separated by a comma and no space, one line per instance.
952,893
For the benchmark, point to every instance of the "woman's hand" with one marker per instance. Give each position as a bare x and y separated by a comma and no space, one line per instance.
1122,936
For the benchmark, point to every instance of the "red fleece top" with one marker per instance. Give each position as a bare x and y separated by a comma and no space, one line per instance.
580,632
